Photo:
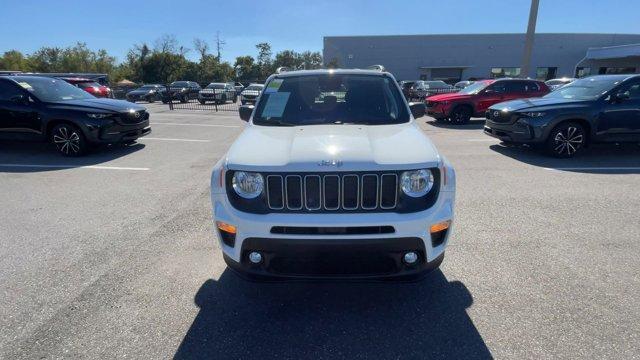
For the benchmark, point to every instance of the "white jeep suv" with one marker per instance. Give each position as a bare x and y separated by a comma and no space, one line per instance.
332,177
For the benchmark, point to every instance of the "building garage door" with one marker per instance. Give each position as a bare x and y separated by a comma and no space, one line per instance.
448,75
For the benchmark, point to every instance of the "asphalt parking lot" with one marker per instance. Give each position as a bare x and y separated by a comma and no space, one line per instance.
113,255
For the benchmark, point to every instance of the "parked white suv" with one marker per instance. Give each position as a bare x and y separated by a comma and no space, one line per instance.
332,177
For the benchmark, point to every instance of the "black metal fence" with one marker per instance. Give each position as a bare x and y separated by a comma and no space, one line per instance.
198,103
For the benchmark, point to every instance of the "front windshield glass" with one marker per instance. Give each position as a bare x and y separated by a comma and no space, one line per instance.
179,84
585,89
474,88
52,90
215,86
331,99
148,87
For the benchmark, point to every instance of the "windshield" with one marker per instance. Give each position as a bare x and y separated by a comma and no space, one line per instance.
331,99
254,87
179,84
585,89
474,88
148,87
215,86
52,90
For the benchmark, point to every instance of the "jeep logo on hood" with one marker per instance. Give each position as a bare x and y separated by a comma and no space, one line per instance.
336,163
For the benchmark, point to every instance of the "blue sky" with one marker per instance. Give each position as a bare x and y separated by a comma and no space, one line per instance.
116,25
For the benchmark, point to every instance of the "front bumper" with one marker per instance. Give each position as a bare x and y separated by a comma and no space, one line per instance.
248,100
517,132
370,256
437,110
116,133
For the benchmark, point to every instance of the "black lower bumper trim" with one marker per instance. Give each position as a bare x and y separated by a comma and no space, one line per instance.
331,259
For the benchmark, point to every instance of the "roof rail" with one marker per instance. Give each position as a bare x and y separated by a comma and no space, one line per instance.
282,69
376,67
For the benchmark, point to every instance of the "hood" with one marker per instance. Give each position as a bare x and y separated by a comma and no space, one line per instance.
546,103
99,104
449,97
325,148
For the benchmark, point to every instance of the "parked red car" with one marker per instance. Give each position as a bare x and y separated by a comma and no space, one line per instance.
89,86
476,98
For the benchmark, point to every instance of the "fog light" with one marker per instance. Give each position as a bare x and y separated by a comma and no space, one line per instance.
411,257
255,257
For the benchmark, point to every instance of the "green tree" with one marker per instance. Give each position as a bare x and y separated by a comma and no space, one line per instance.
311,60
246,69
14,60
264,60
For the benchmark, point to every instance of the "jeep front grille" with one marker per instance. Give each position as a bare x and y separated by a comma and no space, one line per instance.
332,192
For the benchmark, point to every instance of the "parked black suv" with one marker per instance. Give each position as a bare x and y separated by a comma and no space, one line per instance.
45,108
601,108
148,93
181,90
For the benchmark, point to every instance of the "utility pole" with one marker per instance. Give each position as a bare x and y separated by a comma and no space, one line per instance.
528,42
219,44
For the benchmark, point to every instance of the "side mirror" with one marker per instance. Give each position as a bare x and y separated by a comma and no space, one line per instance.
245,112
620,97
418,109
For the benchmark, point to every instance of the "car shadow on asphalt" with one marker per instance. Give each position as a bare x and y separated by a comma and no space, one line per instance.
596,159
472,125
25,157
240,319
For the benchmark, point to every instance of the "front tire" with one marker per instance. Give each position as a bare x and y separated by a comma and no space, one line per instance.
69,140
202,102
461,115
184,99
566,140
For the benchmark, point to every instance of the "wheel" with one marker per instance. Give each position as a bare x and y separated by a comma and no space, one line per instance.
202,102
565,140
151,100
69,140
244,102
461,115
183,99
165,101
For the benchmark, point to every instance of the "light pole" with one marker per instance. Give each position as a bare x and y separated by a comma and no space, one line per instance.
528,41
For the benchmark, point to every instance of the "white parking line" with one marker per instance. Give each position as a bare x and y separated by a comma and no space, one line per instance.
206,125
56,166
631,168
168,139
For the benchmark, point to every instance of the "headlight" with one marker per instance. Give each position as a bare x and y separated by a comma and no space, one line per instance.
416,183
98,115
247,184
152,91
534,114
